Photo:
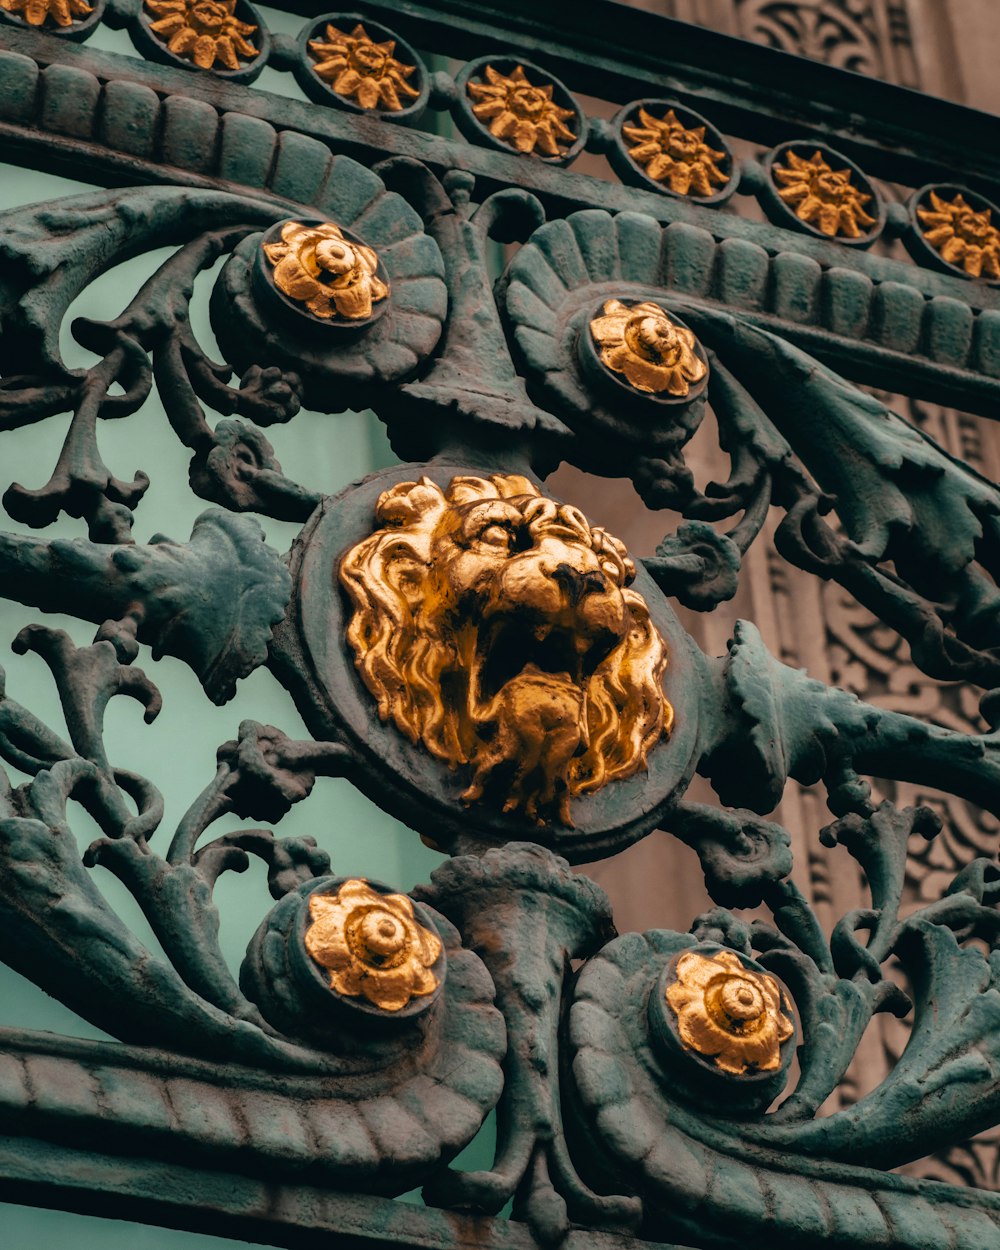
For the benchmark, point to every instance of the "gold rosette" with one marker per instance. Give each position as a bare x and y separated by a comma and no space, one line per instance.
333,277
962,235
359,69
653,353
372,945
728,1013
675,154
821,196
520,113
203,31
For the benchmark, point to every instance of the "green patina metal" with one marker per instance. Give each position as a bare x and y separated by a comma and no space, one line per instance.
264,1106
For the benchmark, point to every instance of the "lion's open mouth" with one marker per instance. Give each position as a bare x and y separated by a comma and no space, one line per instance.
510,646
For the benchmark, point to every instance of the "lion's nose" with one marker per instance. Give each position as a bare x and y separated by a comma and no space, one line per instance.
577,585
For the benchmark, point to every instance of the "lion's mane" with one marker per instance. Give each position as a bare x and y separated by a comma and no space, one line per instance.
411,655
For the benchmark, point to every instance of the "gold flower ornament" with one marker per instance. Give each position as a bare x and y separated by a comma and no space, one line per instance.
358,68
372,945
38,12
728,1013
962,235
520,113
674,154
652,353
332,276
203,31
821,196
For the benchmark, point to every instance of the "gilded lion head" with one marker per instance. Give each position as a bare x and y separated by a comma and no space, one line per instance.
498,628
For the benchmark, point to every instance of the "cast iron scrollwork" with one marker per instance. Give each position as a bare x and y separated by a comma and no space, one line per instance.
496,669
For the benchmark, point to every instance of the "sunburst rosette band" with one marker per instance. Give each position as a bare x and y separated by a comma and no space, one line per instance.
818,191
353,63
659,145
512,105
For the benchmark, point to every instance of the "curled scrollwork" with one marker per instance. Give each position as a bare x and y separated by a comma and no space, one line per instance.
60,931
869,501
55,252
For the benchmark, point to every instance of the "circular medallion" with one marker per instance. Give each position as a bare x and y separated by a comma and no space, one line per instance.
343,301
358,65
662,146
226,37
641,353
955,230
501,667
321,275
510,104
75,20
812,188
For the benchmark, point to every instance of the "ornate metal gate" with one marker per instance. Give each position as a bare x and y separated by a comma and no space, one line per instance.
484,660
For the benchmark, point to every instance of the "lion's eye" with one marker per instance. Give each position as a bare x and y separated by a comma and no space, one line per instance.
495,536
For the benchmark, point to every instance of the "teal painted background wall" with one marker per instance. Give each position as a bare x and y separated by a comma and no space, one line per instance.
177,752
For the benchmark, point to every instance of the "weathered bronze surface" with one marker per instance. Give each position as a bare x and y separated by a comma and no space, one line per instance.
358,68
520,112
498,628
485,662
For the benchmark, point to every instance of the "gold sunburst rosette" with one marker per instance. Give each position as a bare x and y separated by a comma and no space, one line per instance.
73,19
518,107
660,144
956,230
362,67
224,37
817,190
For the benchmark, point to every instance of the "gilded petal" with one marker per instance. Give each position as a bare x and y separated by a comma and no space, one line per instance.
183,41
348,82
243,46
610,329
293,280
368,93
204,52
388,97
953,250
353,301
644,375
391,990
645,151
659,168
168,25
226,52
489,109
680,179
349,981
